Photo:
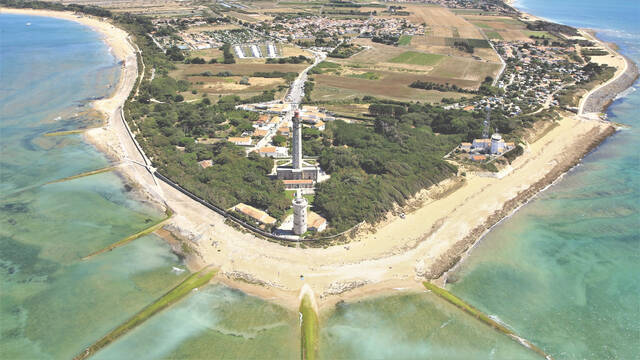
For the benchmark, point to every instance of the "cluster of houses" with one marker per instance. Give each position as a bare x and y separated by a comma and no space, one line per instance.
394,27
532,77
315,117
267,108
315,222
271,122
534,74
188,36
307,27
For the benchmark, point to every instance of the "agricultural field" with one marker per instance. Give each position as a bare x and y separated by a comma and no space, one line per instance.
250,17
385,84
199,29
417,58
443,28
501,27
386,71
443,22
405,40
207,54
227,79
355,110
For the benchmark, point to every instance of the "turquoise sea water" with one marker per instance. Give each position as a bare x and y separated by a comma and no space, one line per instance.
52,304
562,271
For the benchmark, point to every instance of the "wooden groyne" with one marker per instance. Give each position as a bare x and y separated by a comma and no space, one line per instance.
461,304
192,282
157,225
84,174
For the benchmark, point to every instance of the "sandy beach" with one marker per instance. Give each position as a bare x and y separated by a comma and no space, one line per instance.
448,219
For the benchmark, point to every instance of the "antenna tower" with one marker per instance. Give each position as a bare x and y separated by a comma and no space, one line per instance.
485,131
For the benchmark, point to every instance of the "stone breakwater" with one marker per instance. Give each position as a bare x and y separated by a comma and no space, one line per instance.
601,98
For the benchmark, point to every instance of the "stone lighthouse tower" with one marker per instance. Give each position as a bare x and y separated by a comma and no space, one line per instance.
299,214
296,157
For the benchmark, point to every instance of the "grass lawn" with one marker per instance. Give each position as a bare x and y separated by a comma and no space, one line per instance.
292,193
404,40
417,58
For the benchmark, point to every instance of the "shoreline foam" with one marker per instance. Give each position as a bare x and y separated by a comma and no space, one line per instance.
397,255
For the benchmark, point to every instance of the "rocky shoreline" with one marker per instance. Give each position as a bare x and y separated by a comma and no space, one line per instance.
600,99
455,255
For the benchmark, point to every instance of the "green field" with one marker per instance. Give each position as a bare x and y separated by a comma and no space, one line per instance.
404,40
325,66
369,75
481,25
477,43
542,34
417,58
493,35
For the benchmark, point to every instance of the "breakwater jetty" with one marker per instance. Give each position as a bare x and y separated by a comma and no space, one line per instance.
189,284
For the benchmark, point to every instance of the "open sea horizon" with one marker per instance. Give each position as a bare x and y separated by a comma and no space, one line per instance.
562,271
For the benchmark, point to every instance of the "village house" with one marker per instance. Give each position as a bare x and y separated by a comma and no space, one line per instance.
260,133
273,151
316,222
319,126
205,163
298,184
255,214
241,141
284,131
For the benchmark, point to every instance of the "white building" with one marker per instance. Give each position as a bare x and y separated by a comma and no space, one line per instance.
299,214
241,141
497,144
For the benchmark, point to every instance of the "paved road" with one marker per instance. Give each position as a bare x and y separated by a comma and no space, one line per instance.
294,97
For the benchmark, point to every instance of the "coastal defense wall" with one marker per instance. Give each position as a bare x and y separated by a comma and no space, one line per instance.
242,223
602,97
225,213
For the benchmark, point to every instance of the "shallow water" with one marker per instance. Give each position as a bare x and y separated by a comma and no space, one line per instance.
216,322
52,303
564,270
415,326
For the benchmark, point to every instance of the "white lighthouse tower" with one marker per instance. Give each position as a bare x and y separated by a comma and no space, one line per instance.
299,214
296,157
